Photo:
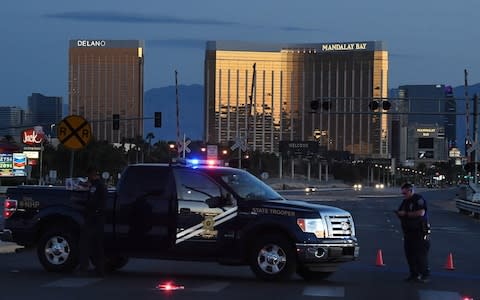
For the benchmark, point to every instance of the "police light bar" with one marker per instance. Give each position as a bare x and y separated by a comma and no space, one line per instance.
203,162
194,162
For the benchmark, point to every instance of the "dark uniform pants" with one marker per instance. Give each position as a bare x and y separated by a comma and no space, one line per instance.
416,246
91,245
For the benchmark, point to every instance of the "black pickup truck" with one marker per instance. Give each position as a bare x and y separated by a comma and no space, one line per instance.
192,213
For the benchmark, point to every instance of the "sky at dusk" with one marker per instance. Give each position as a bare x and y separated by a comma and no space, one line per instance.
429,42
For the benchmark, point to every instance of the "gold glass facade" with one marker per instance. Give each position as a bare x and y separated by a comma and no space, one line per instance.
287,79
106,78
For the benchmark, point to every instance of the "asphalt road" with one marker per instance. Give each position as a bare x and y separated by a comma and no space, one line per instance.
21,276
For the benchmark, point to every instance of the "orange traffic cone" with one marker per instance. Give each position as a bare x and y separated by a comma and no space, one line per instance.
449,264
379,262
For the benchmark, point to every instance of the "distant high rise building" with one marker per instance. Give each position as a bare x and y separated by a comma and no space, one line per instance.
44,111
347,76
11,121
106,79
428,113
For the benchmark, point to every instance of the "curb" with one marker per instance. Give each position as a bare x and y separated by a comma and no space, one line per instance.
379,196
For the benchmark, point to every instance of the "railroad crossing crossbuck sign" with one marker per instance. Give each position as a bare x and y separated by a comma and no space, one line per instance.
74,132
240,142
181,145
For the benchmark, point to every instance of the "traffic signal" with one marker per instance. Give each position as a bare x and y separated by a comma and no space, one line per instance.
116,121
373,105
158,119
314,105
386,105
469,167
326,105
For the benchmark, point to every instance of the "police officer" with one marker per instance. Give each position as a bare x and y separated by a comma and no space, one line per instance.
416,229
91,236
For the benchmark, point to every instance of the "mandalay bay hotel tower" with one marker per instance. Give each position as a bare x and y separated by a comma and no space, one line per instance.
344,77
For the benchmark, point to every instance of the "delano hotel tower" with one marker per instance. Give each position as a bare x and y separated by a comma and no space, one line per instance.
106,78
348,75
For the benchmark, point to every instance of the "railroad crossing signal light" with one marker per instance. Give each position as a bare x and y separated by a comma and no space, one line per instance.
158,119
116,121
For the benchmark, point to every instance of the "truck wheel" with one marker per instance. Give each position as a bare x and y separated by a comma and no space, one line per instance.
273,258
114,263
310,275
58,251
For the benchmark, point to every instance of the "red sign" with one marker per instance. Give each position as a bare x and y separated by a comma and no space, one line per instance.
32,137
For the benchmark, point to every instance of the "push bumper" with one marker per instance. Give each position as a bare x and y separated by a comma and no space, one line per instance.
344,251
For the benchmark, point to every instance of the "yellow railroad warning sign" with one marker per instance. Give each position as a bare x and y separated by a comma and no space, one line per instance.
74,132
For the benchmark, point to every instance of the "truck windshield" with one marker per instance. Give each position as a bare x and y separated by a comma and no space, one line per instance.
248,187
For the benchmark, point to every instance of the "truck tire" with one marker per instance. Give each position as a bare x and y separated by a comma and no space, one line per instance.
310,275
273,258
57,250
114,263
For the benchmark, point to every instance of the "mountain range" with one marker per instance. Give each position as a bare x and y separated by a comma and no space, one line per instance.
191,112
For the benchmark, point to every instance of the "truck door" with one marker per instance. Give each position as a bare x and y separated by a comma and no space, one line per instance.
146,216
202,207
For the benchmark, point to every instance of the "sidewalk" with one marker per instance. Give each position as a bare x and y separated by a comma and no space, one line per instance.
6,248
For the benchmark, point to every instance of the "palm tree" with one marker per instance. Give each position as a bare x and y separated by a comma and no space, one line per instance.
149,137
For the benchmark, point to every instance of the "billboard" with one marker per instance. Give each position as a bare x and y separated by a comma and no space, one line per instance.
6,164
300,148
19,164
13,164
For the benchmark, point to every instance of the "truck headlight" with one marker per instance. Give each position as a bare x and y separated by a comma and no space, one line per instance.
315,226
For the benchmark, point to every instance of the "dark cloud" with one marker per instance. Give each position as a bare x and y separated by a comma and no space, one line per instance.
295,28
177,43
404,55
120,17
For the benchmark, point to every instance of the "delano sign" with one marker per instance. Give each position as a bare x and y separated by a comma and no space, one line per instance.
86,43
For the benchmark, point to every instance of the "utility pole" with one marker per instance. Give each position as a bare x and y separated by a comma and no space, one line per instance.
475,136
252,90
468,141
178,112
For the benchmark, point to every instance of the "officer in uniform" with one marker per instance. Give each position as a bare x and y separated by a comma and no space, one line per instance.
416,229
91,236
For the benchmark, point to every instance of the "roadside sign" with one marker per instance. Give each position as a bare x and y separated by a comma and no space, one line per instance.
212,151
74,132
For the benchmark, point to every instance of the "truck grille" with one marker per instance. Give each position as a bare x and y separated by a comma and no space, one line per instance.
340,226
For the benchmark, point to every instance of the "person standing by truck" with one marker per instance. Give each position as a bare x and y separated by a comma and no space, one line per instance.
91,236
416,229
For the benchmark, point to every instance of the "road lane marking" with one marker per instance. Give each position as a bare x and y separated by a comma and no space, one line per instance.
72,282
324,291
214,287
438,295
